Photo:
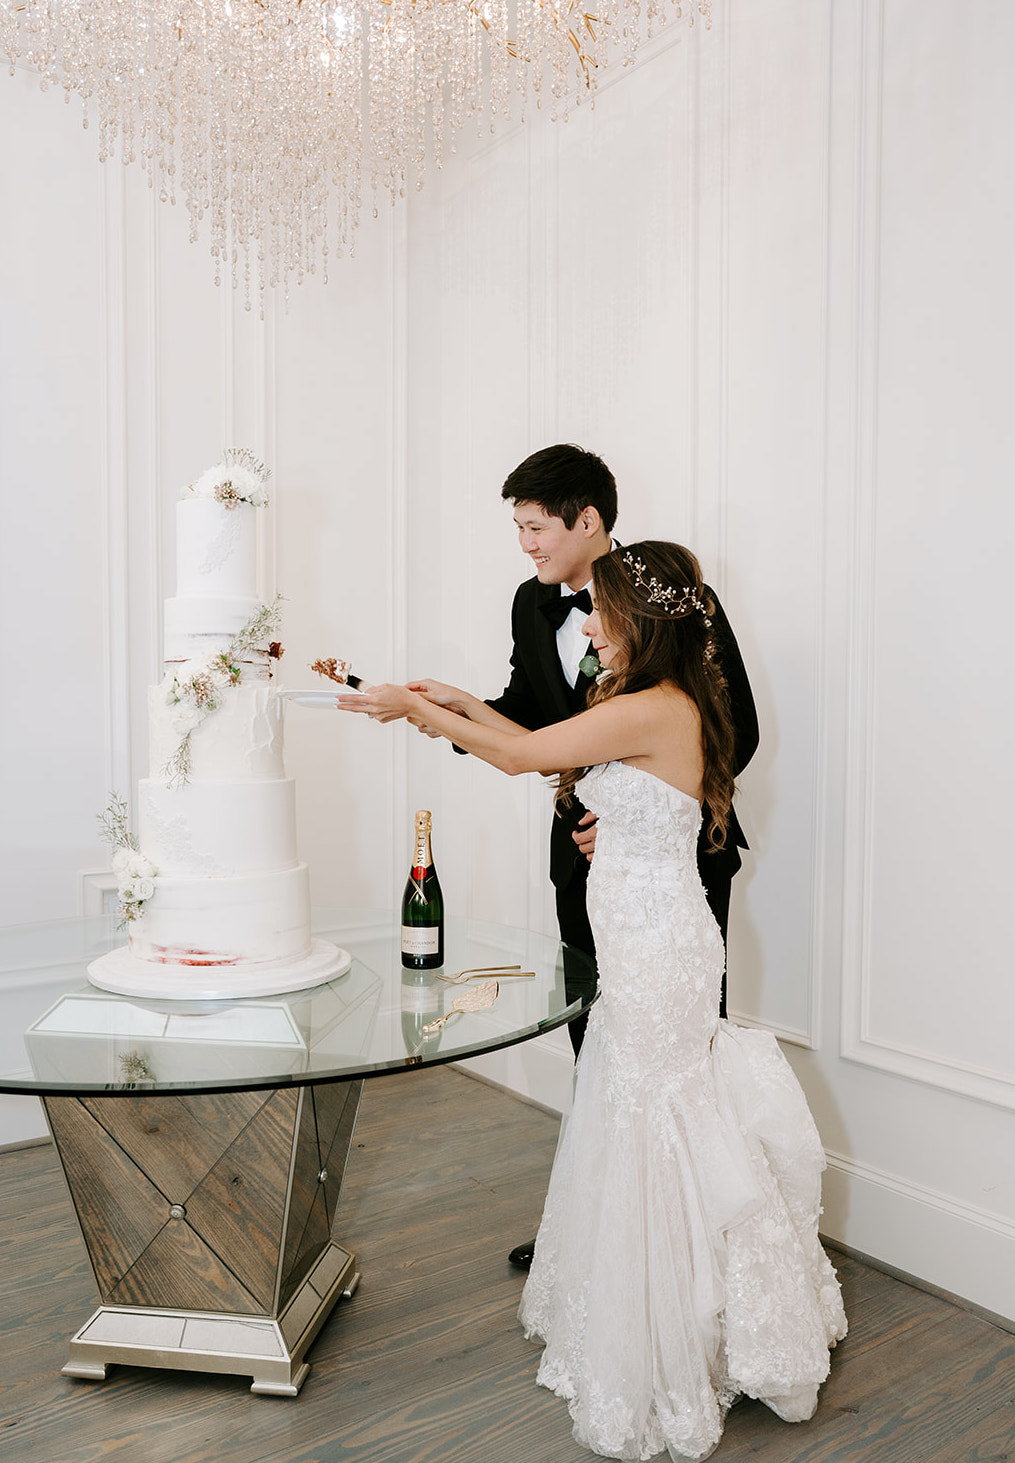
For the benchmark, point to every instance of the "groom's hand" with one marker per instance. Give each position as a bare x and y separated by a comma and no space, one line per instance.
421,726
450,697
586,835
440,695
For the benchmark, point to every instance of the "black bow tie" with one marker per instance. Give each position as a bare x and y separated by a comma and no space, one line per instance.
557,610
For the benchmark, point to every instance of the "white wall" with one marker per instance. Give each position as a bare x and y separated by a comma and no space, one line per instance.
767,278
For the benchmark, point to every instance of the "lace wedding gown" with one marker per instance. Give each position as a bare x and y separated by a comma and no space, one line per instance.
677,1263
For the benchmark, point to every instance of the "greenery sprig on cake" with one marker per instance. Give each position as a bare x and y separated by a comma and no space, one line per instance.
197,688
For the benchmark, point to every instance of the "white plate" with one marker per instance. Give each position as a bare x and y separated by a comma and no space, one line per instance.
323,697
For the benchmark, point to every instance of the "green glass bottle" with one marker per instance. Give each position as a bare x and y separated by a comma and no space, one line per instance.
422,906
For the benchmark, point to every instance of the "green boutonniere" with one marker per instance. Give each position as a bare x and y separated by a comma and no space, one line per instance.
590,666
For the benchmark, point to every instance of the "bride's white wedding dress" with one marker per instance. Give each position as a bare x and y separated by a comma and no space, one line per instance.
677,1264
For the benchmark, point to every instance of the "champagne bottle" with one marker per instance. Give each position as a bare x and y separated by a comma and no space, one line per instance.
422,906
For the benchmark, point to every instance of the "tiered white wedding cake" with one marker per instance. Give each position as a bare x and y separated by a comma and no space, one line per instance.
213,894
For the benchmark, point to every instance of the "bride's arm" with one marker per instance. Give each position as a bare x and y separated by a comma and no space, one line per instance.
622,727
462,704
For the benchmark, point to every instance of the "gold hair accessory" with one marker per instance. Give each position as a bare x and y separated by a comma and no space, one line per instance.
669,600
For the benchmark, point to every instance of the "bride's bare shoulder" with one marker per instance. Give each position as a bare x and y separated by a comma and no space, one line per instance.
668,700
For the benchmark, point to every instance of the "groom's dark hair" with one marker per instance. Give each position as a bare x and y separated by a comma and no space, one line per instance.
562,480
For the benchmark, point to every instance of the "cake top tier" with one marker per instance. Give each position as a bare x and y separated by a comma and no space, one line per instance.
216,550
216,558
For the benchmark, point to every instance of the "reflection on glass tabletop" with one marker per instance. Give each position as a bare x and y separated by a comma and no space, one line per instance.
60,1034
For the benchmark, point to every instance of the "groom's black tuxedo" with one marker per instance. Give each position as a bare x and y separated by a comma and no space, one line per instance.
538,695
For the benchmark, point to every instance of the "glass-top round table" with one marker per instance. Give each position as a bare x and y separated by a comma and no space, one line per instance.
204,1142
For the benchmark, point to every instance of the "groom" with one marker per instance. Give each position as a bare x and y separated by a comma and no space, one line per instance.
565,502
565,506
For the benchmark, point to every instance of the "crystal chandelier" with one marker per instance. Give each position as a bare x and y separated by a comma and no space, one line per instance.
268,116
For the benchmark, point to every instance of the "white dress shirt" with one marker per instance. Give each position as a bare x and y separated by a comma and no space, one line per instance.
572,645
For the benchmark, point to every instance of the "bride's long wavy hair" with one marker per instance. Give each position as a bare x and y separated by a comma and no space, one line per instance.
660,646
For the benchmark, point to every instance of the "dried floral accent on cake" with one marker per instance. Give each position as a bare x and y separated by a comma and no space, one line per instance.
334,669
239,478
135,874
196,689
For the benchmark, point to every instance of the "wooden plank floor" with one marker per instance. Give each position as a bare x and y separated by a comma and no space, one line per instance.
426,1363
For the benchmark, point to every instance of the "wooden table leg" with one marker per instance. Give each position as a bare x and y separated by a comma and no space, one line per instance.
208,1223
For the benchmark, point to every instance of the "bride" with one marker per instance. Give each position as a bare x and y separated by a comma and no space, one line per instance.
677,1264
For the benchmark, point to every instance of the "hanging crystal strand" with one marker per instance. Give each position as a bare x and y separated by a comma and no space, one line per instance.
262,118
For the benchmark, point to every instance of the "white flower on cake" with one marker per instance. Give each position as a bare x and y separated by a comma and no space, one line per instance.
238,478
196,688
142,886
185,718
131,864
138,890
135,874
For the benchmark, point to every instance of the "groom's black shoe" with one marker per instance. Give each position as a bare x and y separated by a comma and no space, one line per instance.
521,1255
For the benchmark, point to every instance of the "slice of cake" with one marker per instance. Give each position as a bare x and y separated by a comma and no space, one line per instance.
214,896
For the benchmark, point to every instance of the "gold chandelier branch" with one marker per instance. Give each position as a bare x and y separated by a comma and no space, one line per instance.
266,117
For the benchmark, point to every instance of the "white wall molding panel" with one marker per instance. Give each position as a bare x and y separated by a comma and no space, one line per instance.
762,514
408,589
952,1245
66,726
917,1108
117,573
885,1003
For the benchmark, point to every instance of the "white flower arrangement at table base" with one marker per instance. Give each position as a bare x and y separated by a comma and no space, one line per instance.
239,478
135,874
196,689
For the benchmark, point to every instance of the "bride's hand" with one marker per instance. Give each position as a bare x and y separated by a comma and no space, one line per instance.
450,697
383,703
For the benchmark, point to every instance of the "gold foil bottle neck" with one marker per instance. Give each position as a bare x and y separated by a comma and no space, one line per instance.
422,858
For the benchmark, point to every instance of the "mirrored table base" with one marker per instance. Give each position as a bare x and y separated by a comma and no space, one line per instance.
208,1222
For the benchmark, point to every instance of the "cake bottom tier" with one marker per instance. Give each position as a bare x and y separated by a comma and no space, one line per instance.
196,920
